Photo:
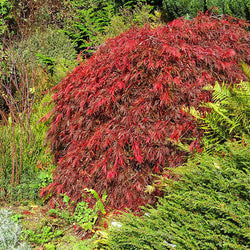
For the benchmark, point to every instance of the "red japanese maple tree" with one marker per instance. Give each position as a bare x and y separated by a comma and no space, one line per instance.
115,113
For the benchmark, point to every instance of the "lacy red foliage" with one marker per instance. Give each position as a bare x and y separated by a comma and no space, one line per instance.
114,113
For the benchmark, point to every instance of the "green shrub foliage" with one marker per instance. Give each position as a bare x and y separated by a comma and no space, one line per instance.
177,8
6,17
114,113
88,19
207,208
52,50
93,21
126,18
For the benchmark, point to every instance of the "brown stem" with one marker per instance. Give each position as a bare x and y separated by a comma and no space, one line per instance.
20,157
13,153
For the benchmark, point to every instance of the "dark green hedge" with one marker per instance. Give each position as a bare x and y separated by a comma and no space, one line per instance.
177,8
208,208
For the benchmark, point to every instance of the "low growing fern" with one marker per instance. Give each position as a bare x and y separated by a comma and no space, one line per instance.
230,113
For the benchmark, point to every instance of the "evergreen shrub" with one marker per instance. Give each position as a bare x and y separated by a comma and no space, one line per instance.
116,114
52,50
52,43
207,208
177,8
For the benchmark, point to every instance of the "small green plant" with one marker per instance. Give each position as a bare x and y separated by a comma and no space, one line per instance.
16,217
83,215
86,217
43,235
49,246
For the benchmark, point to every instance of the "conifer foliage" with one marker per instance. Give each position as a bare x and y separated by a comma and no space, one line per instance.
116,114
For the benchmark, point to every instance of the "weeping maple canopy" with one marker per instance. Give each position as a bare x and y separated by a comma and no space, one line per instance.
116,114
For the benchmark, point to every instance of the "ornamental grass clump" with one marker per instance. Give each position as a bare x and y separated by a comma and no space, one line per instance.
117,114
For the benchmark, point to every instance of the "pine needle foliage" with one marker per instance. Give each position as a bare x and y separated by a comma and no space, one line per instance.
208,208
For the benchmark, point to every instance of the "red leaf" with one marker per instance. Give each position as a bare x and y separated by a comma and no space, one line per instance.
121,85
191,147
26,212
230,53
158,87
137,153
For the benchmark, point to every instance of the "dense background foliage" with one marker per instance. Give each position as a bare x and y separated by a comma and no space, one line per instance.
190,8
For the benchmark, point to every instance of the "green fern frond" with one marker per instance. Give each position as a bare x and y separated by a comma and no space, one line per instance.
229,112
221,92
216,107
246,70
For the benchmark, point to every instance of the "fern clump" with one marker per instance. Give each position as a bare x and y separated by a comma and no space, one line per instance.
230,114
10,232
